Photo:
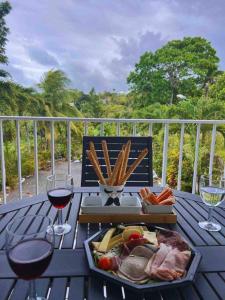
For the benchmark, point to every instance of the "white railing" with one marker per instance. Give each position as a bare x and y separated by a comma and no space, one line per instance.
85,121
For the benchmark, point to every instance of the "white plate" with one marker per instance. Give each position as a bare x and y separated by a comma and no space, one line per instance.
128,205
157,209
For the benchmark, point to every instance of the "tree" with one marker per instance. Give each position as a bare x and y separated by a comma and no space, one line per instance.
90,104
217,89
5,8
180,67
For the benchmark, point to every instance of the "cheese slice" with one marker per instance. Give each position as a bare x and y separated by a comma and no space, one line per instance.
115,242
151,237
138,228
105,241
95,245
128,232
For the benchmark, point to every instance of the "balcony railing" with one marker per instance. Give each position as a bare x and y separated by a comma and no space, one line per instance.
166,123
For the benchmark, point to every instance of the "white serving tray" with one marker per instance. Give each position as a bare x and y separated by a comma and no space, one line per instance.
157,209
128,205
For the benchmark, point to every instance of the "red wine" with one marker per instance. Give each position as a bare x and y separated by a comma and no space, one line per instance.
30,258
60,197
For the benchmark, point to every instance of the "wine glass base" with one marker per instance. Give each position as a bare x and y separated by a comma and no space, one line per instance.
209,226
60,229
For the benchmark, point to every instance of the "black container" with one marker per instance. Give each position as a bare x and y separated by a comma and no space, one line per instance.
148,287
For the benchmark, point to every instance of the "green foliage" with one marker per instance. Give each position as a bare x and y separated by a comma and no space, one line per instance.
217,89
180,67
5,8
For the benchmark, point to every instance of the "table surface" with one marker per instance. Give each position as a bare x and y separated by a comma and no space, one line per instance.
68,276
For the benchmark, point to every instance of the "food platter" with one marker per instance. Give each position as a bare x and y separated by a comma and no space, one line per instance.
156,280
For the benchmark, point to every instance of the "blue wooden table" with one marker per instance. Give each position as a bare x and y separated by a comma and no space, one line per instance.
68,276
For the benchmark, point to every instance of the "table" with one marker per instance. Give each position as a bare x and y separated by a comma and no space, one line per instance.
68,275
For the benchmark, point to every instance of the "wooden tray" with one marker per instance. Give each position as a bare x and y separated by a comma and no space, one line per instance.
125,218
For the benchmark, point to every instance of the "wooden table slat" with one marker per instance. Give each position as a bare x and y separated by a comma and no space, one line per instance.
20,291
72,219
203,210
185,226
20,213
64,263
58,289
82,235
189,292
114,292
95,289
171,294
5,288
217,282
212,238
131,295
205,290
187,214
77,287
42,286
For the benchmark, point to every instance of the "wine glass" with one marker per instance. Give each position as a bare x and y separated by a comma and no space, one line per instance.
60,193
29,251
212,191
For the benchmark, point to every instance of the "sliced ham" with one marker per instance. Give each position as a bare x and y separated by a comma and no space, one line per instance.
134,243
175,264
173,239
116,262
130,245
142,251
157,259
133,266
168,263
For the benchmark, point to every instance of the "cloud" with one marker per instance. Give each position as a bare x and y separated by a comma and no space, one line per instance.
42,57
97,42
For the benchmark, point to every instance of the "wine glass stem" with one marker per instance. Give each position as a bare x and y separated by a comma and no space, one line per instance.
60,217
210,214
32,290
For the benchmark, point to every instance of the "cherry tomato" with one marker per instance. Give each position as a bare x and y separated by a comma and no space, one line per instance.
105,263
135,236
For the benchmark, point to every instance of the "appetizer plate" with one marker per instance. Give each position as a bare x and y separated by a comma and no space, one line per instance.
146,287
128,205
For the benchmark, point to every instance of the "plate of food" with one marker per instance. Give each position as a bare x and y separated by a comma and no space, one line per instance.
142,257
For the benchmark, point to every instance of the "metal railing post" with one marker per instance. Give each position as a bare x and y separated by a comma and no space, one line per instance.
19,159
165,154
69,147
3,163
52,147
180,158
36,158
196,159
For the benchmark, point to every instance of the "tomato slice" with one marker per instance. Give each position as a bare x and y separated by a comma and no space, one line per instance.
105,263
135,236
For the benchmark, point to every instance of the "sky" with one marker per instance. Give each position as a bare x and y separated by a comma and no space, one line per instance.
97,42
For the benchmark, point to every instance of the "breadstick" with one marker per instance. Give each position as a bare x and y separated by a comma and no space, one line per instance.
96,166
119,174
135,164
166,193
92,148
116,168
143,193
127,152
169,201
106,157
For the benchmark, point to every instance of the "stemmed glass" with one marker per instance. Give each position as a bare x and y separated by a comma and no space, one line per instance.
212,191
29,251
60,193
